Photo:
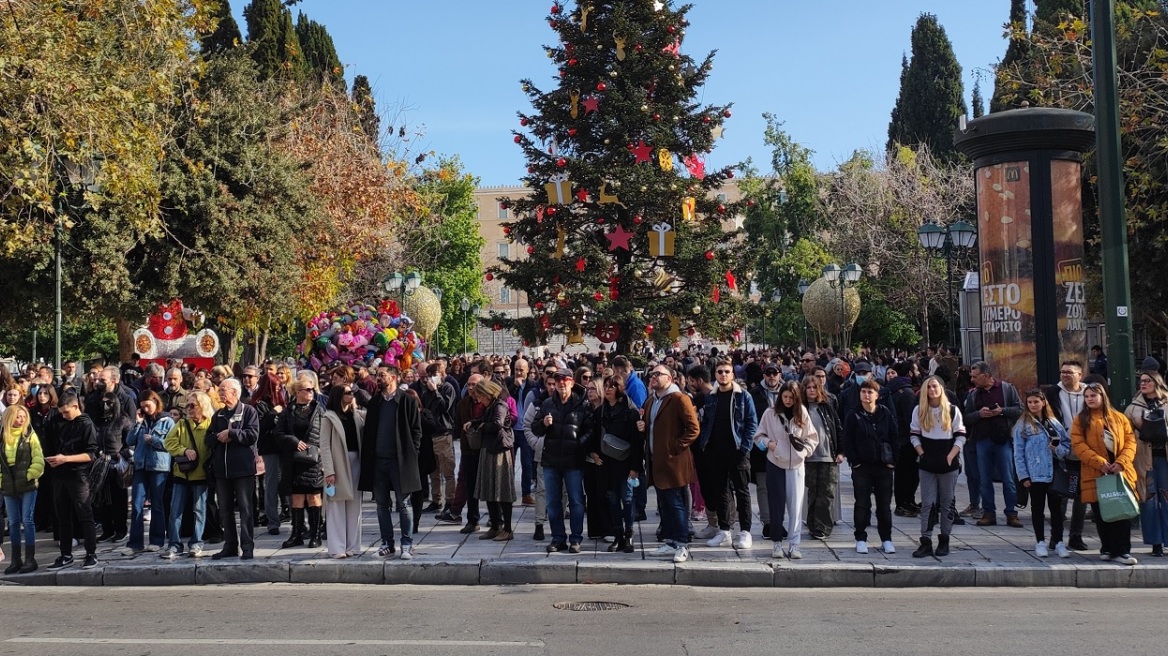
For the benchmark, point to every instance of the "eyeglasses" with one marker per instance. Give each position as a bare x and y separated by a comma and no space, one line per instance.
586,377
1146,381
192,406
654,374
347,392
501,372
808,359
1094,386
724,372
771,373
610,386
1067,372
549,374
250,376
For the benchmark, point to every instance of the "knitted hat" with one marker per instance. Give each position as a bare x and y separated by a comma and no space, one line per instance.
1150,364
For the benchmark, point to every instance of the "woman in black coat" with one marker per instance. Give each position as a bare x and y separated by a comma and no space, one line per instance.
298,435
618,416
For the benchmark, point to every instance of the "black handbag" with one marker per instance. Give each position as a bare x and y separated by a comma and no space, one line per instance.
1154,431
887,457
614,447
1063,482
309,456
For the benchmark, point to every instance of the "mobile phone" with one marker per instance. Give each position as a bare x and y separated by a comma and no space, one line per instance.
1054,441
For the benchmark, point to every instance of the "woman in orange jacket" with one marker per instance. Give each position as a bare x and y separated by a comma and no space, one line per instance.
1103,439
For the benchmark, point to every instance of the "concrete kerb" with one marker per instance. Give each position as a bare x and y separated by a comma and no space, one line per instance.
744,574
458,571
1026,576
637,573
255,571
504,572
329,570
150,575
827,575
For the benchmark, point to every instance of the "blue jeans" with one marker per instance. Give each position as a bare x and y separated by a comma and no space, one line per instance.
1154,511
674,516
972,474
387,480
620,504
555,479
19,509
1000,458
184,491
151,483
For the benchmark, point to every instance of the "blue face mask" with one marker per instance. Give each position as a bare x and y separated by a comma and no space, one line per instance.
860,378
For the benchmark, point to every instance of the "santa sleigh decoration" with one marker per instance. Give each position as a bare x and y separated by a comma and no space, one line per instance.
167,336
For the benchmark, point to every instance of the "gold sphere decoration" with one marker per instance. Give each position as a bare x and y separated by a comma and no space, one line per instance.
423,308
824,310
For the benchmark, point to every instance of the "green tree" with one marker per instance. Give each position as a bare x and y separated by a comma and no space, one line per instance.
931,93
1019,35
226,34
319,52
277,50
1049,13
977,101
618,104
366,108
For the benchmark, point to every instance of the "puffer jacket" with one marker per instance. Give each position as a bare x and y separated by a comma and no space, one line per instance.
774,428
564,441
1092,451
1032,457
294,473
150,455
24,460
186,434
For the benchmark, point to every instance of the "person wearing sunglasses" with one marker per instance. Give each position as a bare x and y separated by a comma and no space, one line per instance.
728,421
669,424
1106,444
564,421
1151,461
187,441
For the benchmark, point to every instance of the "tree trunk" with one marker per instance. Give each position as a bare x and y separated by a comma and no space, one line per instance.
232,350
125,339
262,346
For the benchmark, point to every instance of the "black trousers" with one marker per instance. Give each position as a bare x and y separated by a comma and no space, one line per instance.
236,494
1115,536
114,513
721,477
869,480
907,477
72,499
1040,496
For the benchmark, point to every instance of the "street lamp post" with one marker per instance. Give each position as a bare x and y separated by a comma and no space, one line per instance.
803,287
78,174
841,279
941,241
464,305
438,329
776,298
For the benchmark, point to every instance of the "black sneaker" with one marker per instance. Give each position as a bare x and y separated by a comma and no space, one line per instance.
641,516
90,561
61,563
433,507
574,548
448,517
224,554
538,536
766,531
1077,544
557,547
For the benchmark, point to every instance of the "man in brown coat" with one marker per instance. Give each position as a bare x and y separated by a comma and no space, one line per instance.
670,424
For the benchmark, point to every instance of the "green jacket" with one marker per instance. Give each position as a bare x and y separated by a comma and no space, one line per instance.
186,434
24,463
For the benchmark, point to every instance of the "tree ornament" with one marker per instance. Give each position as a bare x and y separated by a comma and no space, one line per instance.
506,230
598,296
662,240
497,327
671,29
674,328
656,117
642,152
561,242
585,9
637,219
607,332
607,198
730,174
721,209
518,139
665,159
644,108
644,188
689,206
619,238
731,281
613,288
726,113
581,264
592,103
572,62
555,9
697,309
709,255
695,165
572,132
620,46
716,294
600,86
551,211
531,250
561,162
673,48
523,122
716,132
638,48
706,120
750,203
582,195
613,74
648,329
490,276
601,220
574,97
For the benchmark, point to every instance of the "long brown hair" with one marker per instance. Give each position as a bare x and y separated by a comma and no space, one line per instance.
1084,417
797,405
271,390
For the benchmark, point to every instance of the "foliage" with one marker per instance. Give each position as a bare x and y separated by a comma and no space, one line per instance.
881,324
80,340
277,50
931,93
1016,51
320,54
647,92
226,34
366,108
977,101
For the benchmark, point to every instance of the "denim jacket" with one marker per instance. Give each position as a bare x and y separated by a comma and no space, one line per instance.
743,419
152,455
1032,457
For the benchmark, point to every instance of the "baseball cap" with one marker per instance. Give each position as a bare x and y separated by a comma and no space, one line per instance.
563,372
770,369
863,366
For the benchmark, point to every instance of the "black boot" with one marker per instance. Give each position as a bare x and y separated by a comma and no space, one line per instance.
942,546
925,550
627,544
16,563
30,563
617,544
313,527
297,537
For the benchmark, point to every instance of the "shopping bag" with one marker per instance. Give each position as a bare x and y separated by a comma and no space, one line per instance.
1064,482
1116,499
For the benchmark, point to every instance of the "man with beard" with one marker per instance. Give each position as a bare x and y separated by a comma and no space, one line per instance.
113,410
670,425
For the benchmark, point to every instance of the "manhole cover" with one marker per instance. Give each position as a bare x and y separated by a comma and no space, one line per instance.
589,605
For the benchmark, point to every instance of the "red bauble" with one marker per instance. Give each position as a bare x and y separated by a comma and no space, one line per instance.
656,117
690,332
505,205
523,122
497,327
709,255
726,113
552,24
729,174
598,296
518,138
638,48
572,132
506,230
561,162
572,62
526,343
671,29
721,209
601,86
490,276
538,305
750,203
648,328
531,169
637,219
530,250
706,120
600,221
551,211
555,9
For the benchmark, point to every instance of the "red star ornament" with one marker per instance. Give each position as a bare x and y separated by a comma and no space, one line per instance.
582,195
731,281
642,152
695,166
618,238
672,49
591,104
581,264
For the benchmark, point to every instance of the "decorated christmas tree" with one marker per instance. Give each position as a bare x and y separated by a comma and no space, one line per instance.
625,232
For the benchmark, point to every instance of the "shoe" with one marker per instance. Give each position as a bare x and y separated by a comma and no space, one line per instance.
315,527
977,514
224,554
118,537
490,534
1077,544
665,550
958,521
448,517
294,541
1105,557
988,519
275,530
743,541
61,563
1061,550
1040,550
469,528
766,531
1013,521
818,535
196,551
969,510
247,555
777,551
91,561
925,550
105,536
16,563
795,554
557,547
504,536
720,538
153,548
1125,559
906,511
528,500
706,533
407,552
861,547
887,547
170,554
433,507
30,563
627,545
1158,550
681,555
641,516
538,536
574,548
942,549
386,549
1020,506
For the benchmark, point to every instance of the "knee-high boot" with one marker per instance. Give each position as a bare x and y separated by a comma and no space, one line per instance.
297,537
16,563
313,527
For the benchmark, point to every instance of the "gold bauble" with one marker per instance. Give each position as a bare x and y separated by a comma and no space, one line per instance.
423,308
826,311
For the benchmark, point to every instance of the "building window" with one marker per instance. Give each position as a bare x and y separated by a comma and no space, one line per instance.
504,250
504,213
504,295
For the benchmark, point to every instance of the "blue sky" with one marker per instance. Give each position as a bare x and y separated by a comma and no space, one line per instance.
829,69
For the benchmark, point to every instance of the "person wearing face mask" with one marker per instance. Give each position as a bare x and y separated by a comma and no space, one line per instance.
848,398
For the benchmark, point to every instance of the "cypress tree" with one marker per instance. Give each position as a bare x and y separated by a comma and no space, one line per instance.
276,49
320,54
932,95
226,34
366,108
1050,12
1015,52
978,101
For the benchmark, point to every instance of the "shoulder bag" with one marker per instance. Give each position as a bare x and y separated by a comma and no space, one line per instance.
187,465
309,456
1154,430
614,447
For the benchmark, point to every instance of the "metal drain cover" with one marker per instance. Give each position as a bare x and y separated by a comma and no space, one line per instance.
589,605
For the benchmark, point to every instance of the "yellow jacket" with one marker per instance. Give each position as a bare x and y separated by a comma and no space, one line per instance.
186,434
1090,449
24,458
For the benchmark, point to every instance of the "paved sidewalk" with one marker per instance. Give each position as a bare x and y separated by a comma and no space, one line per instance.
991,556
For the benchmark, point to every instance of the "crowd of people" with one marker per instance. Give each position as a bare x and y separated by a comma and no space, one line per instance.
214,455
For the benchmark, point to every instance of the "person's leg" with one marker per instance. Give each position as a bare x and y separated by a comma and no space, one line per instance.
946,491
27,518
382,499
641,497
1121,537
1037,510
553,482
352,521
540,482
796,489
1056,516
714,489
862,484
883,491
985,466
1103,530
930,494
673,516
818,502
906,477
337,540
574,483
225,493
178,505
137,503
405,510
761,494
63,490
1004,455
740,484
777,498
156,490
244,487
12,509
447,466
198,492
272,490
972,473
470,460
613,495
119,503
83,512
527,475
507,510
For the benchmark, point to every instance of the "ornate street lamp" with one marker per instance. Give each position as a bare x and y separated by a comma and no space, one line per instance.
941,241
842,278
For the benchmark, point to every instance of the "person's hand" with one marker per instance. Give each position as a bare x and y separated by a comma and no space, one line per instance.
839,460
191,454
278,409
771,446
635,475
302,446
890,466
949,458
595,458
430,384
1026,483
55,461
148,437
223,436
466,427
330,479
547,420
985,413
641,426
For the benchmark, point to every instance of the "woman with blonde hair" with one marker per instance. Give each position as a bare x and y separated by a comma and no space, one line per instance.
938,435
1106,444
496,475
297,434
1151,459
187,445
21,464
1039,439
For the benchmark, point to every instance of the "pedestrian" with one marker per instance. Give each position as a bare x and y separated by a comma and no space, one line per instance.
822,467
898,394
390,444
21,465
538,396
1105,443
495,482
151,470
729,424
297,434
438,398
1151,461
187,445
937,435
231,439
270,399
597,518
74,447
1040,443
787,434
340,452
869,444
615,447
991,408
564,421
1065,401
468,465
669,425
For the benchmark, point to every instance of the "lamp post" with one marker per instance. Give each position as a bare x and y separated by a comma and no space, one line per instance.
77,174
803,287
403,285
776,298
941,241
841,279
437,329
464,305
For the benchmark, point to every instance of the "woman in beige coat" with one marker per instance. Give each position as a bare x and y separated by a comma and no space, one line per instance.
340,455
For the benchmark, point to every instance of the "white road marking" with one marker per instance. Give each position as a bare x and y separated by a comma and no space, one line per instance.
536,644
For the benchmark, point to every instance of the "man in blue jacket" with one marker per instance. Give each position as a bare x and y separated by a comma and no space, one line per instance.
728,424
232,438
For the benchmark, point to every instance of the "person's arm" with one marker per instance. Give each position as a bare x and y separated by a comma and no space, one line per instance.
282,434
914,432
171,441
689,424
969,416
1064,447
762,436
158,434
811,436
1013,408
413,421
1020,454
750,420
1085,453
327,434
36,468
1127,453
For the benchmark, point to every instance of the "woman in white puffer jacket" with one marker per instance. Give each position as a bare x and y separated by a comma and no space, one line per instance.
786,433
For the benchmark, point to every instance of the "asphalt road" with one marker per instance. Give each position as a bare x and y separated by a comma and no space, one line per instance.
290,620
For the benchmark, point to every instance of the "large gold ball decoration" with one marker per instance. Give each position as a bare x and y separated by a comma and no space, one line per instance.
423,307
824,310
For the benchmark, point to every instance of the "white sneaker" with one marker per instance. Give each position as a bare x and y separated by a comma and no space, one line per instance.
1105,557
743,541
1061,550
861,547
719,539
664,551
170,554
681,555
796,554
707,532
778,551
407,552
1125,559
1040,550
153,548
888,547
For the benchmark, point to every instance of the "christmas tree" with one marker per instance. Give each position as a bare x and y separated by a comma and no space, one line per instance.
625,234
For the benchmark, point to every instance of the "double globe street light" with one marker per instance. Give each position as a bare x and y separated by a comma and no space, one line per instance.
942,241
842,278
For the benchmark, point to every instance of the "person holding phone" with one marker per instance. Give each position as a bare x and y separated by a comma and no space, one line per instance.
1039,439
991,407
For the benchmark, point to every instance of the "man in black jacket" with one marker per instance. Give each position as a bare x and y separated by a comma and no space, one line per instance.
901,400
70,446
113,409
439,398
564,421
231,439
1066,402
